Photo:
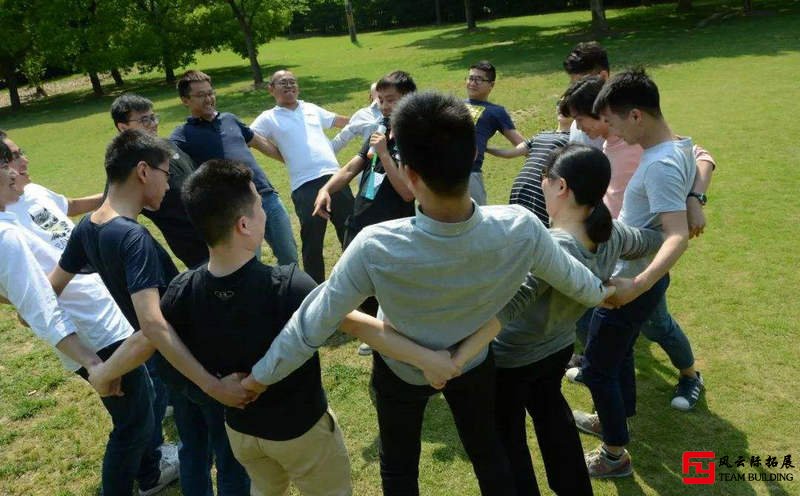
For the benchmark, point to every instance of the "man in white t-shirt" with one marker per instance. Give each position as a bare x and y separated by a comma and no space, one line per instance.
84,325
296,128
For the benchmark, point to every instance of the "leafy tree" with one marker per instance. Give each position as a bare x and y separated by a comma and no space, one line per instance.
16,46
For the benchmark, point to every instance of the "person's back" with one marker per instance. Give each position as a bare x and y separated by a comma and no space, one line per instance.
526,190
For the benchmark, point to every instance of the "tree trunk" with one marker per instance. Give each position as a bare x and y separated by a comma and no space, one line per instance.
41,92
252,52
684,5
438,7
117,77
13,89
96,87
748,6
351,23
599,23
468,14
169,73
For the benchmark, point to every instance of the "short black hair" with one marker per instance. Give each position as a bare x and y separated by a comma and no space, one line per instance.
579,97
124,104
487,67
5,151
129,148
185,82
215,196
435,136
399,80
628,90
585,58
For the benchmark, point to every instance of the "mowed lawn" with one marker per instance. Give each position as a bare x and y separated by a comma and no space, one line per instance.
731,84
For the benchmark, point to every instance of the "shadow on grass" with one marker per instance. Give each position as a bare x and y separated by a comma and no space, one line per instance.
652,36
661,435
236,95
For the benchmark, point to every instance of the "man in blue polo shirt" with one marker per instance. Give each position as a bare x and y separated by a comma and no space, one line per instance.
209,134
488,118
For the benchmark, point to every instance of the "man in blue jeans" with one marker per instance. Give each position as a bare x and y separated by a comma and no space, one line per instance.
656,199
208,134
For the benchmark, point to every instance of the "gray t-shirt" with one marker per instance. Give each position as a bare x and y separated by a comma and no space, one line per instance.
660,184
547,324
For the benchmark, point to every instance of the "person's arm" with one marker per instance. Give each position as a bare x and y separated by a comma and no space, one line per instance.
79,206
475,343
340,121
437,366
342,138
317,318
322,205
265,146
676,239
637,242
520,150
162,337
513,136
696,218
378,140
59,278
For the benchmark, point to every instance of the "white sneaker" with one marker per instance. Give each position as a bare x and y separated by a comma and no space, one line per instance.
364,349
169,466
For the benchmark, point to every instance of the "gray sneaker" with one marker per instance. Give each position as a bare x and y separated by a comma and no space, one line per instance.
169,466
687,392
588,423
602,467
364,349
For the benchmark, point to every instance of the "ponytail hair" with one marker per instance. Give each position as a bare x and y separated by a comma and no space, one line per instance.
587,173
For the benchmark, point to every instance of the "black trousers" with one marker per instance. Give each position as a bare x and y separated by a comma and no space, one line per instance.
537,389
312,228
401,407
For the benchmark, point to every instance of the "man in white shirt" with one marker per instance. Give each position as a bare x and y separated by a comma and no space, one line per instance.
363,123
296,128
85,326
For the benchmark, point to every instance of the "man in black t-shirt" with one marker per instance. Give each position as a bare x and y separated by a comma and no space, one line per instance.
382,194
228,312
136,270
130,111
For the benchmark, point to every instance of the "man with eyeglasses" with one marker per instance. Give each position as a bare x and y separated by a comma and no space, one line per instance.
40,210
489,119
209,134
131,111
296,128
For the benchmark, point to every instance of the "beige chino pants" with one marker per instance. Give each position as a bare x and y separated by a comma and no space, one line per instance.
316,462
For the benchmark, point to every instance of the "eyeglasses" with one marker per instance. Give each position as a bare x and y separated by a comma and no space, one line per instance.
166,172
146,120
478,79
203,96
285,83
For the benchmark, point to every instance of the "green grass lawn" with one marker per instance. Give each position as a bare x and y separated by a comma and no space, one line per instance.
732,85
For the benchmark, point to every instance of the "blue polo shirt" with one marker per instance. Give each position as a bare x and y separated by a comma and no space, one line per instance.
224,137
489,119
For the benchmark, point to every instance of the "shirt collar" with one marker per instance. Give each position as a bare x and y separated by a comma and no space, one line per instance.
449,229
199,120
299,108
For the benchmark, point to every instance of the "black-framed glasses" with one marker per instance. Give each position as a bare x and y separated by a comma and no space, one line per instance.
478,79
285,83
166,172
203,96
146,120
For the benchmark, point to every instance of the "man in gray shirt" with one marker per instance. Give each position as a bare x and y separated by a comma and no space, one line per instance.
438,277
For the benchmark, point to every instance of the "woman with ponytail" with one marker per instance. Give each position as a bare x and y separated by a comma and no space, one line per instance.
531,352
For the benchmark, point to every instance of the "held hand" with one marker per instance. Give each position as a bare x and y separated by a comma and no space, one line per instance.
322,205
695,217
103,385
378,142
230,392
626,290
252,385
439,368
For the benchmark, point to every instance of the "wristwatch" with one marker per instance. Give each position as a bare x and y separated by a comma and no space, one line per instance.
703,199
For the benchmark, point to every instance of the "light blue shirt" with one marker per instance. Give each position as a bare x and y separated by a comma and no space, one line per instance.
436,282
